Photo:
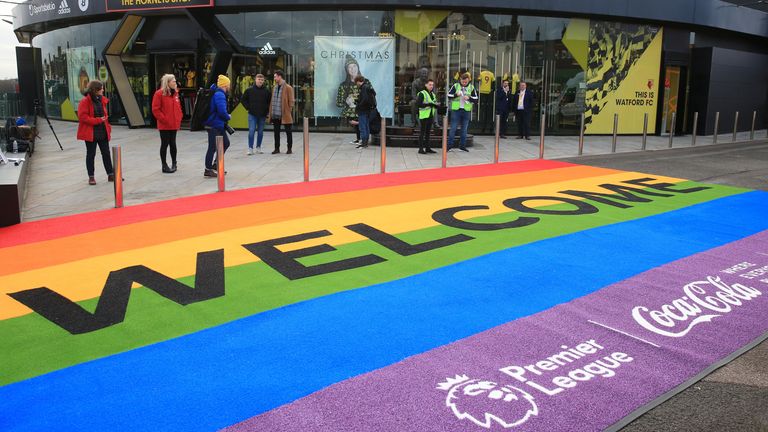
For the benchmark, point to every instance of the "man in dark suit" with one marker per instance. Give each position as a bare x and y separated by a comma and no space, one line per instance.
503,104
523,104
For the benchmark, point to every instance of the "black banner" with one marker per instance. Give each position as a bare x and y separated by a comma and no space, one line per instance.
134,5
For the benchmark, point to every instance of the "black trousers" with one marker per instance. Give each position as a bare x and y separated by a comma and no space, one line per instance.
425,126
90,156
503,118
486,112
276,122
167,140
523,123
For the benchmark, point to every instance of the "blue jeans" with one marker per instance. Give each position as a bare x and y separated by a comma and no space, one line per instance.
253,124
212,134
459,116
365,128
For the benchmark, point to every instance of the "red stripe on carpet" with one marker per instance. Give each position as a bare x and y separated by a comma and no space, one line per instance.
30,232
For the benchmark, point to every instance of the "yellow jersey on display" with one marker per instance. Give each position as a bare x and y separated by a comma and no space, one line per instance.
486,80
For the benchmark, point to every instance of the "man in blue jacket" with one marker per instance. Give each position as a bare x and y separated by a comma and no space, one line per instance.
217,123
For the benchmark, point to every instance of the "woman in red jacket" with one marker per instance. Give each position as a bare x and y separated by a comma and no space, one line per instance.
94,128
166,108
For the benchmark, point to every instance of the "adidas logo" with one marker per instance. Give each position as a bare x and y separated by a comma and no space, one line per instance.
64,7
265,50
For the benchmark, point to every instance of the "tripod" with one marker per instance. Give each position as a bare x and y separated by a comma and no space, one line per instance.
39,112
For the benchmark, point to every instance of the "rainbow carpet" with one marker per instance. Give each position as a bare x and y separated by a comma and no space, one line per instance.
528,296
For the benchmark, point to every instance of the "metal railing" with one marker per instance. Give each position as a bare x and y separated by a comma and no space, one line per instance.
494,156
672,128
383,144
117,166
220,161
306,148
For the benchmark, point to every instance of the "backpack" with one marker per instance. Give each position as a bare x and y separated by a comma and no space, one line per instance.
373,98
201,110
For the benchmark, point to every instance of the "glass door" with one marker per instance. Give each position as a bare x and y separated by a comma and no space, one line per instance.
244,70
469,50
535,67
183,66
671,92
553,73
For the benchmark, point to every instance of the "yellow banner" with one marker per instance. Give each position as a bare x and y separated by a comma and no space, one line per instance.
622,77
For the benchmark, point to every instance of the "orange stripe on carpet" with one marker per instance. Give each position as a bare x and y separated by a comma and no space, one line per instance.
153,232
36,231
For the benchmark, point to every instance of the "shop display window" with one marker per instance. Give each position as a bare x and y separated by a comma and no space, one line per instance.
398,51
183,66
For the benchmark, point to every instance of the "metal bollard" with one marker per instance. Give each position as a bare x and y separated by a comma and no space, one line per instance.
220,160
645,130
735,125
306,149
383,143
672,128
615,131
752,131
496,142
695,127
541,137
117,166
445,140
581,135
717,124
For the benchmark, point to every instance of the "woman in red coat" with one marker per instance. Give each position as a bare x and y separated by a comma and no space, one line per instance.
94,129
166,108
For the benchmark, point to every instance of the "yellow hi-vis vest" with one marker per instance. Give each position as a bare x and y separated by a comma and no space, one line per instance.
427,112
456,103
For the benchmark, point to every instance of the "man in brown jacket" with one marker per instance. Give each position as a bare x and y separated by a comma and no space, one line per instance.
280,110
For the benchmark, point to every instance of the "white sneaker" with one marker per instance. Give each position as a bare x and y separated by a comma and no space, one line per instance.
250,151
357,141
258,150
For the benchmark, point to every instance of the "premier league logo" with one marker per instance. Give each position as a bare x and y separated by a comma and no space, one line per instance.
483,402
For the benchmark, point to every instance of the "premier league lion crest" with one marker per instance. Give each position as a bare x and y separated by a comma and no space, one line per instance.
483,402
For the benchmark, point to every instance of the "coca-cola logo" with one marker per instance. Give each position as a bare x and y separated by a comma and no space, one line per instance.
703,302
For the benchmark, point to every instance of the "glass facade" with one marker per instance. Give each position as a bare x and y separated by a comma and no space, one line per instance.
559,58
72,56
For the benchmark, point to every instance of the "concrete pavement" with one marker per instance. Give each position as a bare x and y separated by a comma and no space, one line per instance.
58,185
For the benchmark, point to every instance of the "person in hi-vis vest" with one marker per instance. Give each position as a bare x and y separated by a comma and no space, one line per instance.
462,96
427,104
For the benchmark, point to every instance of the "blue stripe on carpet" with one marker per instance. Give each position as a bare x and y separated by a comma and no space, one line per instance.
225,374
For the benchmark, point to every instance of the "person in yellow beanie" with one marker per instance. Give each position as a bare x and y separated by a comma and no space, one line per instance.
217,123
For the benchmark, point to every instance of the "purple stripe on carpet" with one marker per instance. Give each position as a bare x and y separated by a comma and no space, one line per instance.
583,365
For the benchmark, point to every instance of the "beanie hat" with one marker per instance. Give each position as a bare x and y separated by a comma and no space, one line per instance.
222,81
350,60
